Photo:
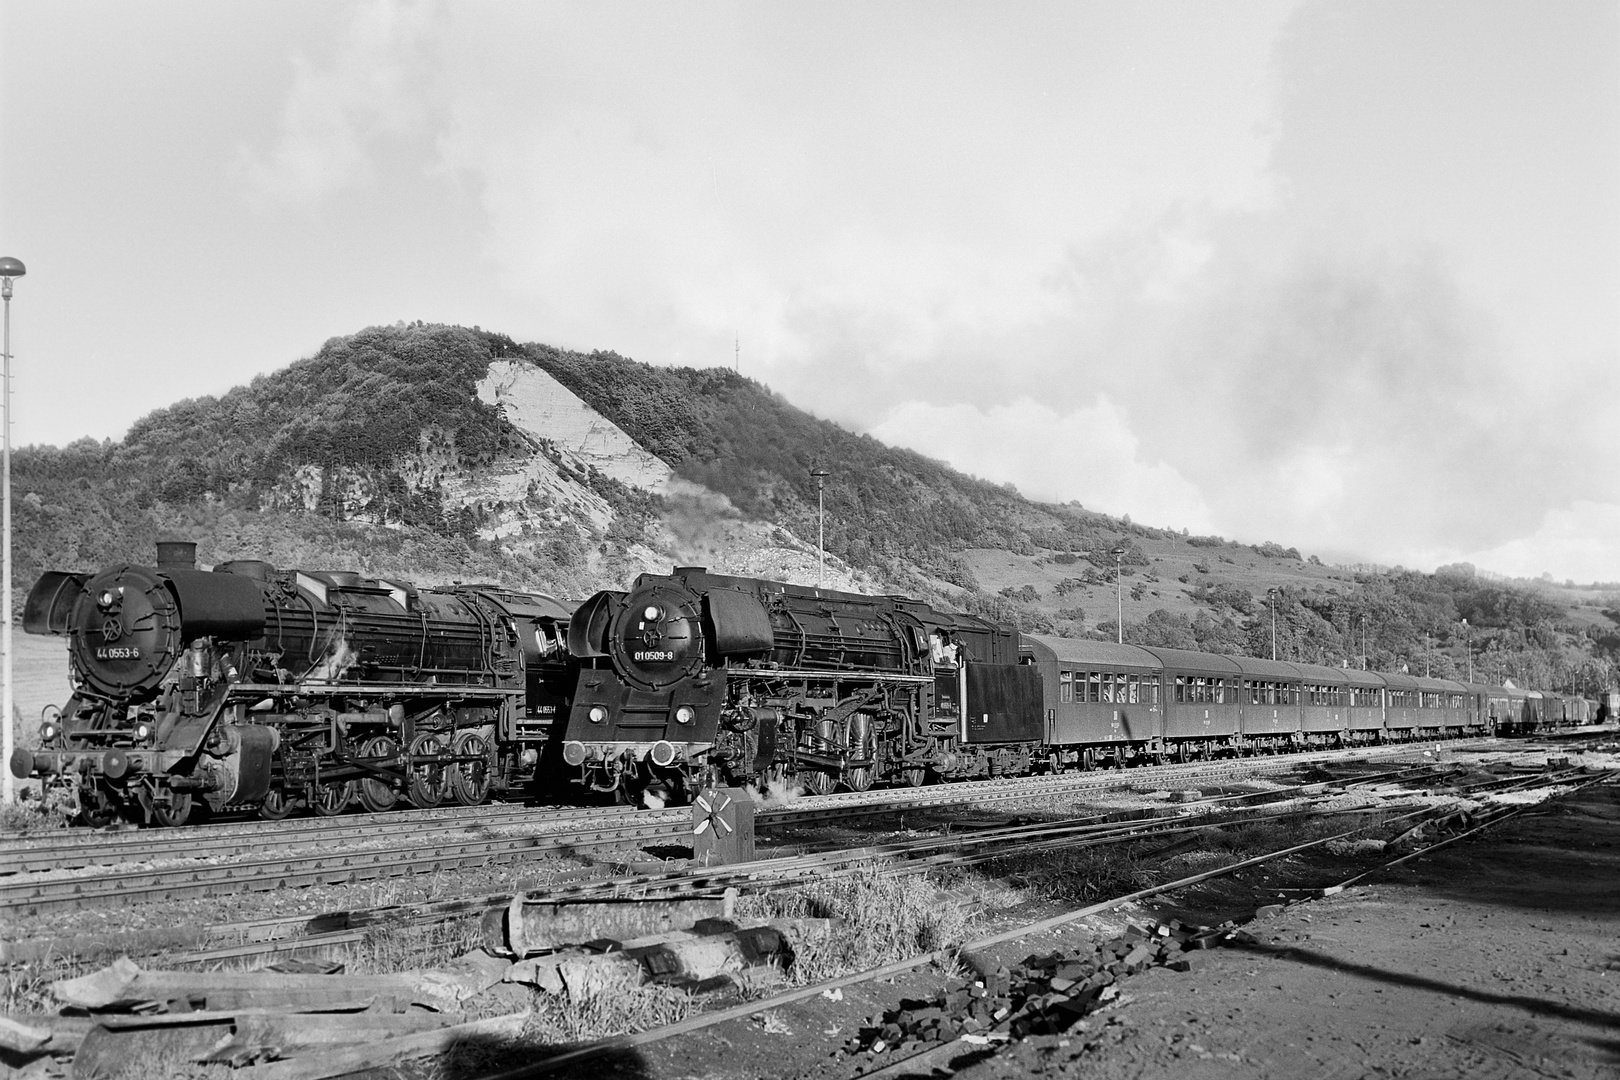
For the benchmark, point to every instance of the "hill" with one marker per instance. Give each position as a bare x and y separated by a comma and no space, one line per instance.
442,453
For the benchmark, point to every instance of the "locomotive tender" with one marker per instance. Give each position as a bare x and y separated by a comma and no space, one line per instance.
249,686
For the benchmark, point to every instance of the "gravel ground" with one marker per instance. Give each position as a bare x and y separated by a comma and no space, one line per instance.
1495,957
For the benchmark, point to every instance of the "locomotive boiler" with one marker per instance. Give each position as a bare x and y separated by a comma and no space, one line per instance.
251,686
694,678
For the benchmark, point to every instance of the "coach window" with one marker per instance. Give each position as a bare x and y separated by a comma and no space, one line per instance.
1091,686
1119,688
1065,686
1135,690
1181,689
1108,687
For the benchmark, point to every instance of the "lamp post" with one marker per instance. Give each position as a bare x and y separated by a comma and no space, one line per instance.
1468,645
9,268
1271,597
1363,643
1119,597
820,476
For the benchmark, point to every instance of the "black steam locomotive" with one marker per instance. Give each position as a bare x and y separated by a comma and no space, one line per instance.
249,686
697,677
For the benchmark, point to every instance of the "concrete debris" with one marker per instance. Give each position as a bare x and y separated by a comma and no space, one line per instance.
526,927
22,1038
314,1021
696,961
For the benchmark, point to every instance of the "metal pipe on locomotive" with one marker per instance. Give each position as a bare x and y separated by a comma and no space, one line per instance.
695,678
249,686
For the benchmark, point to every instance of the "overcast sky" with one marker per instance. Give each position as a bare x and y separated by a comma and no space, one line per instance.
1343,275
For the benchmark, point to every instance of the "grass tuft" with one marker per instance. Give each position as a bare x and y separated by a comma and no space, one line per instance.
884,918
30,815
1075,876
563,1018
388,949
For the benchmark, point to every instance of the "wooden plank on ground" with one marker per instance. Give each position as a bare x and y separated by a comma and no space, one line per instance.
386,1051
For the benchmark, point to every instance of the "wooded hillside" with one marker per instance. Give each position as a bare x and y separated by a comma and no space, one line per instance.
340,460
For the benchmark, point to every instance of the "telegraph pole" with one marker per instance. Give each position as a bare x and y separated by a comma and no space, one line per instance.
1119,597
820,476
1271,594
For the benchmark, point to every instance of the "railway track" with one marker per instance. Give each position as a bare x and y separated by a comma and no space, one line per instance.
594,825
301,932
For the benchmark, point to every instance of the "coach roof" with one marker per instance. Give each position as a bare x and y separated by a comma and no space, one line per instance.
1099,655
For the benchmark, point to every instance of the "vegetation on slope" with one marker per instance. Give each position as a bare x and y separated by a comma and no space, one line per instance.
331,462
276,469
888,509
896,512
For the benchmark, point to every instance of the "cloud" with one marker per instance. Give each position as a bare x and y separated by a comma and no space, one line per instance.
1241,269
1087,454
1574,541
374,86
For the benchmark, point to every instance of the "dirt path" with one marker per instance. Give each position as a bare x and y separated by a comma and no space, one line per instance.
1497,957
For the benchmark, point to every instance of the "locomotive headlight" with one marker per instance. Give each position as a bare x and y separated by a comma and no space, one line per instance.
652,613
684,714
47,731
108,597
597,714
143,732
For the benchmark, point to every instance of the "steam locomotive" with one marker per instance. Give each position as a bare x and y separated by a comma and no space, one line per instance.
251,686
695,677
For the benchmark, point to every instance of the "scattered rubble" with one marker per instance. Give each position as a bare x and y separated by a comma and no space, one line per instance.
1046,994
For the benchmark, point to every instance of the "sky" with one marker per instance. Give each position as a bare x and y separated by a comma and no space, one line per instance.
1340,275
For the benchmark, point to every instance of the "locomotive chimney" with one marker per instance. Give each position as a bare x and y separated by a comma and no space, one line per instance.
176,555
